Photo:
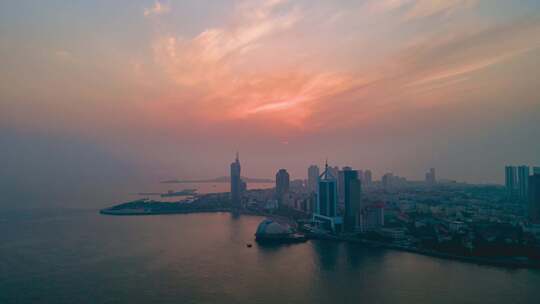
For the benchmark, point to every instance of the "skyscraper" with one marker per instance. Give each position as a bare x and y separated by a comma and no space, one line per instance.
430,177
352,192
534,198
325,214
282,182
341,183
236,183
313,178
536,170
523,182
510,180
367,178
334,171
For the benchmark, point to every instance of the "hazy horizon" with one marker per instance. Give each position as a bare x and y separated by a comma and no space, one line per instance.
100,93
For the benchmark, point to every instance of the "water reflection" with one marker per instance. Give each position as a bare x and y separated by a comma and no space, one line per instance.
327,253
203,258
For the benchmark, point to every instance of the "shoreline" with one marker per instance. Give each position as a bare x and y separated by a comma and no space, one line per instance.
497,262
508,262
135,212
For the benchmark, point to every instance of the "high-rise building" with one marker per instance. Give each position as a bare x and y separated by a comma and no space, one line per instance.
387,180
523,182
341,183
282,182
325,213
334,171
352,195
430,177
510,180
313,178
536,170
236,184
367,178
534,198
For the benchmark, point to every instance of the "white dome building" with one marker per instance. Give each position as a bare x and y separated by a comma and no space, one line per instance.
270,229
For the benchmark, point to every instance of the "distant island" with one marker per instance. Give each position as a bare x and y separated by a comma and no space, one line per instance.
221,179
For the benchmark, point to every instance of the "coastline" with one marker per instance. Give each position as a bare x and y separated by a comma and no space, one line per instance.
138,212
498,262
508,262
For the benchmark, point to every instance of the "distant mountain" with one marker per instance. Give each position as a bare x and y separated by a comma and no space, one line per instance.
221,179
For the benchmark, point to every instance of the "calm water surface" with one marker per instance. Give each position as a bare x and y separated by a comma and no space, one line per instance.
73,256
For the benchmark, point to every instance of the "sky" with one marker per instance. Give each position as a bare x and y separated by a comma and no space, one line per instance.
102,92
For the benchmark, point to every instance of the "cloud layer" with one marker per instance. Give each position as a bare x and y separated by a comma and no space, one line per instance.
177,84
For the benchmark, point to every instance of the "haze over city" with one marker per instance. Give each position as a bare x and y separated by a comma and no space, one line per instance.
270,151
99,91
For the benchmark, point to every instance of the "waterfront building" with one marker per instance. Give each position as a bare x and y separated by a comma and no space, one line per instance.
325,214
397,235
237,184
523,182
352,195
430,177
534,198
313,178
282,182
510,181
341,184
372,217
270,205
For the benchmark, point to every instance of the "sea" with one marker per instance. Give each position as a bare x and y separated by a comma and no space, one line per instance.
76,255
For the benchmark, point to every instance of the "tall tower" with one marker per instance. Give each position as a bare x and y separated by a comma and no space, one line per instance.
510,181
523,182
352,194
236,183
282,184
534,198
341,183
325,215
313,177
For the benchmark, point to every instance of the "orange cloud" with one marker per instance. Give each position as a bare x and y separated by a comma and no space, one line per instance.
417,9
236,77
213,63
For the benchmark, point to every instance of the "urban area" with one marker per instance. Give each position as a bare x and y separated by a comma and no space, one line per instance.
492,224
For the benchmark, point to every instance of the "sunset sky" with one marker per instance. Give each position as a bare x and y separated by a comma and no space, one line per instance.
172,89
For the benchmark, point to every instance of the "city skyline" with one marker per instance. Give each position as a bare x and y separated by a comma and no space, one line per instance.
151,90
270,151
